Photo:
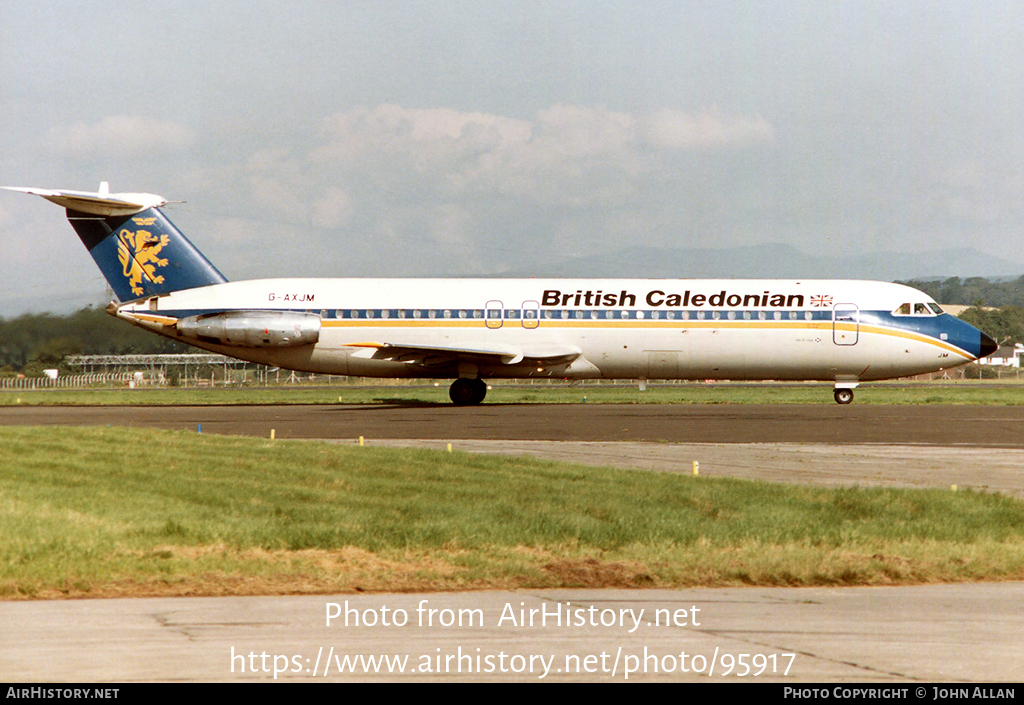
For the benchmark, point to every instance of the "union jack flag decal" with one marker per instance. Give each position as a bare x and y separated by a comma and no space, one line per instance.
821,301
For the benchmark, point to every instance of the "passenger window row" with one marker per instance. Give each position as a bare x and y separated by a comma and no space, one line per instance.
385,313
565,314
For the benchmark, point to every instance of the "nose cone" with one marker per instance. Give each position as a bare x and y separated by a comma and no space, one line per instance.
988,346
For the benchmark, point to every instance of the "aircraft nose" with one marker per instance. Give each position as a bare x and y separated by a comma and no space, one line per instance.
988,346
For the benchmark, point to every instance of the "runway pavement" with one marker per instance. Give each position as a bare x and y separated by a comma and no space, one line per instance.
938,425
983,469
896,636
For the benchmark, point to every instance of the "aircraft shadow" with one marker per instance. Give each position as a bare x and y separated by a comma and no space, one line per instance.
390,401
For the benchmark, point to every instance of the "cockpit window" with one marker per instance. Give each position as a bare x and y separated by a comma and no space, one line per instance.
918,309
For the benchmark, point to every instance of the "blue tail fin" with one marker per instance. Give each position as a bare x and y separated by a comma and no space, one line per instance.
143,254
137,248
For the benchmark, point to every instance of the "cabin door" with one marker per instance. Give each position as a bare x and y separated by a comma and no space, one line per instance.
845,324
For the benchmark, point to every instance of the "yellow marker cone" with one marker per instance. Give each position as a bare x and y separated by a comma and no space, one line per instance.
272,433
449,447
360,441
953,487
696,468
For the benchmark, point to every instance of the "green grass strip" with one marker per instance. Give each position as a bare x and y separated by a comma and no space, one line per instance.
121,511
1007,392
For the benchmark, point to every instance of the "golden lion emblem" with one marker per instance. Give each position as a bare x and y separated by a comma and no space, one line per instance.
139,255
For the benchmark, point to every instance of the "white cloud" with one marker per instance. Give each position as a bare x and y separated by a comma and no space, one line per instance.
475,188
568,155
420,140
581,131
673,129
119,136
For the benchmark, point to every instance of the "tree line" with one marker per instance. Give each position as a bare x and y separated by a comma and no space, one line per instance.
33,342
973,291
1005,325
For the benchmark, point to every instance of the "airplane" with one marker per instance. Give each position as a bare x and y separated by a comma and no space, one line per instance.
840,331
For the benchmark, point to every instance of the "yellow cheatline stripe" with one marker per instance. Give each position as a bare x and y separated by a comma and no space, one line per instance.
864,329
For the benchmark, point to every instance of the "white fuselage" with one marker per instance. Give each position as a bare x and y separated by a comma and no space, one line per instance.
836,330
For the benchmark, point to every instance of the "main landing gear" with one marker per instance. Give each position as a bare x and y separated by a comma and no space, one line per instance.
466,392
844,395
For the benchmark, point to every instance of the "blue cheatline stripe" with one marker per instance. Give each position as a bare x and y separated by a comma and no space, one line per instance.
555,315
923,329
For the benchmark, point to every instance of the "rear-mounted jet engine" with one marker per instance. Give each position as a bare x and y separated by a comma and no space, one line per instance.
253,329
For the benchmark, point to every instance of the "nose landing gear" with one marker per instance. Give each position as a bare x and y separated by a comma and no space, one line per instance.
467,392
844,396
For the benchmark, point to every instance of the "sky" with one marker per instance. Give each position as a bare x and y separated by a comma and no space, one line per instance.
450,138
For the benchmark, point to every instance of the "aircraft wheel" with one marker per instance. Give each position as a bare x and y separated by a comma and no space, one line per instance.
844,396
479,391
465,392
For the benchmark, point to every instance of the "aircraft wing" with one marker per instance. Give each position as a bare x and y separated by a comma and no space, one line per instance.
432,355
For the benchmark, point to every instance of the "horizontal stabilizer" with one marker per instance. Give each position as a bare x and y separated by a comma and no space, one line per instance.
135,245
99,203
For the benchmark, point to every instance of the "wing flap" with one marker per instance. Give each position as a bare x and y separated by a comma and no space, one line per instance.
431,355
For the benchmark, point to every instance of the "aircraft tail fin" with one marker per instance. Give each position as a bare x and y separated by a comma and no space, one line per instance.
139,250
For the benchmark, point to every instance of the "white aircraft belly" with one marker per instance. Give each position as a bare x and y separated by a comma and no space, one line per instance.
682,350
615,349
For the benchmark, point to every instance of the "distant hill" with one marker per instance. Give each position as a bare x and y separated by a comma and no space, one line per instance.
775,261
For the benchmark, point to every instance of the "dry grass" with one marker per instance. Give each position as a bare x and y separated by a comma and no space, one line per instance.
220,571
81,516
